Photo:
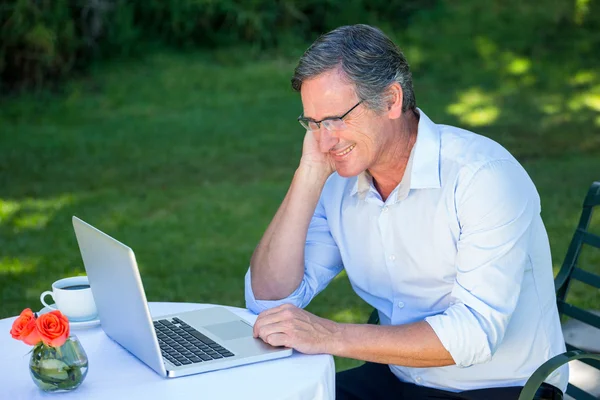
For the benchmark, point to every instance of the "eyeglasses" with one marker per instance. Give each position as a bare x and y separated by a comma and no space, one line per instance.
331,123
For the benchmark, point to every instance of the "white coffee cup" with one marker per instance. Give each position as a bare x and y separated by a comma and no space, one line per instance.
73,297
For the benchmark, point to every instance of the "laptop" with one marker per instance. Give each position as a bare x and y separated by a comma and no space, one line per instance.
172,345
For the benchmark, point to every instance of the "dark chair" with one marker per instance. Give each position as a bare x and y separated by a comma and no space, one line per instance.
567,274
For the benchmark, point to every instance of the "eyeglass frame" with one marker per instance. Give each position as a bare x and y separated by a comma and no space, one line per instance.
302,119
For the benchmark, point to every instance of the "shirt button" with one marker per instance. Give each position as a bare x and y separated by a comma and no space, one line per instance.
385,209
418,379
400,304
392,257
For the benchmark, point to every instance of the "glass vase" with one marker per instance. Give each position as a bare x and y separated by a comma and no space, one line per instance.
58,369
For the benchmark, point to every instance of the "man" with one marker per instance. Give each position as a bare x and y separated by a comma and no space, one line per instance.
437,228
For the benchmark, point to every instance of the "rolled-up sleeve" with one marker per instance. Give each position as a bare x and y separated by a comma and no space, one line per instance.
495,207
322,262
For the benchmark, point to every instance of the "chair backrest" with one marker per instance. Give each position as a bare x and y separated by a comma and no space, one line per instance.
572,271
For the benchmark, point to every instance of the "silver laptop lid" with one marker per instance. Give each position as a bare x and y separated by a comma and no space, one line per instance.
119,294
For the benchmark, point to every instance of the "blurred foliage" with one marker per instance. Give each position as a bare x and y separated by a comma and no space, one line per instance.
43,40
38,41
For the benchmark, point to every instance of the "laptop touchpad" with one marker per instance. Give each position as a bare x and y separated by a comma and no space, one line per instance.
230,330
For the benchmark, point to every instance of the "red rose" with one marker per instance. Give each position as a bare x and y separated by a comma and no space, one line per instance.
24,328
53,328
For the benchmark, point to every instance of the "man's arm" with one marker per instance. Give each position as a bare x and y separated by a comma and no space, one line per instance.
277,265
412,345
415,345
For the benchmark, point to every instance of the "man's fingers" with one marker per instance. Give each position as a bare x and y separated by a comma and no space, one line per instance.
265,320
272,316
276,326
278,339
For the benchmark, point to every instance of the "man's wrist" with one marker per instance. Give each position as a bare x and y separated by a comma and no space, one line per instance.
337,340
312,175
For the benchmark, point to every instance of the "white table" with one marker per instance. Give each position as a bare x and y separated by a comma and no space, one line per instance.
116,374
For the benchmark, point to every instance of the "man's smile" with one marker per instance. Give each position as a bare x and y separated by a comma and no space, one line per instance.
344,151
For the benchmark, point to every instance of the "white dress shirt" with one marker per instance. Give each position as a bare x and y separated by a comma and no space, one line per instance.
460,244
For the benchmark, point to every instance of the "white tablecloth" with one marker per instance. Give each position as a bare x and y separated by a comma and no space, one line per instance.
115,374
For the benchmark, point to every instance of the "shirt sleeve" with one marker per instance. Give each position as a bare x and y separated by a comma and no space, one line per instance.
322,262
495,209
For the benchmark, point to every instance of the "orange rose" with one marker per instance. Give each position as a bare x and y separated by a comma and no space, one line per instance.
24,328
53,328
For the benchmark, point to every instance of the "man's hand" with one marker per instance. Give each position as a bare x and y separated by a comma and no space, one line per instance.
313,155
290,326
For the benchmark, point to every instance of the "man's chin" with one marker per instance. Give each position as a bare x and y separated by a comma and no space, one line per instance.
348,173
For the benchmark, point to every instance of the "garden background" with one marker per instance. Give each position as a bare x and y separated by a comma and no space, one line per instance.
171,125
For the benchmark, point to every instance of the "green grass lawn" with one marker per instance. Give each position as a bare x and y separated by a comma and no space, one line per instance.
186,157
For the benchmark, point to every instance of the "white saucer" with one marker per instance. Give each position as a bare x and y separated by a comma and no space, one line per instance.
75,324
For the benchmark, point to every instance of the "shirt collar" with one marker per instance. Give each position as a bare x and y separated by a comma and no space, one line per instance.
363,183
426,165
423,163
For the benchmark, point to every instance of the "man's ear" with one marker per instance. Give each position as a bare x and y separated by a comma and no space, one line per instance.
394,101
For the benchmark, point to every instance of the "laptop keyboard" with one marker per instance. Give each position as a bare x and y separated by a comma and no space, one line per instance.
182,345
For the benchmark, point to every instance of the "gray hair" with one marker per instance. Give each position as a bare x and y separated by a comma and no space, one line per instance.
368,58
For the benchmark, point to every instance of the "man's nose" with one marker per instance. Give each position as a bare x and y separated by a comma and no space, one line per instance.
328,140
